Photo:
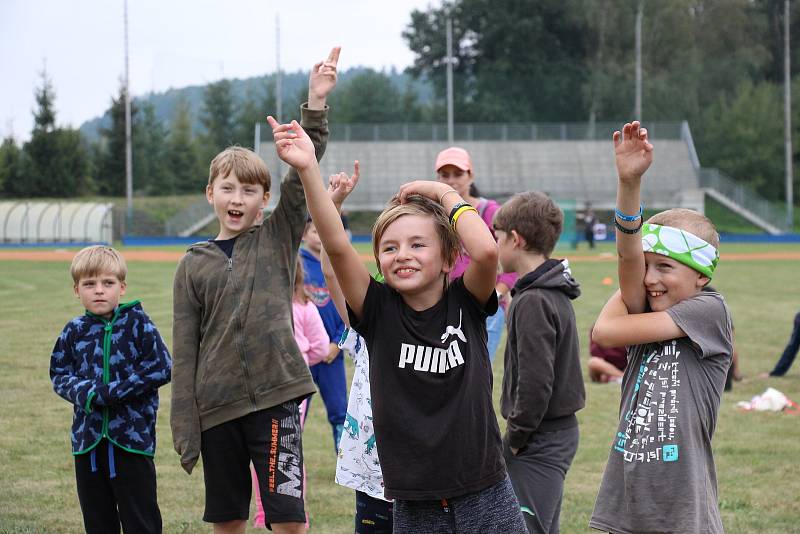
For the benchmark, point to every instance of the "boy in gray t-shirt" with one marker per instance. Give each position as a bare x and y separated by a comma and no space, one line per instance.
660,474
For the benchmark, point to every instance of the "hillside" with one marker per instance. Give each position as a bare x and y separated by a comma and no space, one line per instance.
293,82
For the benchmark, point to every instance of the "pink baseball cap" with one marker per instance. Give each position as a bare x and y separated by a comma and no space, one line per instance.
454,156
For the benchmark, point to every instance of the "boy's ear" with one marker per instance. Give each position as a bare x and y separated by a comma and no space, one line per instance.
517,240
265,200
210,193
75,289
122,287
702,281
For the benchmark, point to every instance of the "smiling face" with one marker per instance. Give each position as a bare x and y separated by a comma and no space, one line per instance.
668,282
100,293
236,204
410,257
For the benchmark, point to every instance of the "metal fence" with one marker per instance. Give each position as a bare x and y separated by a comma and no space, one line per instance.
506,131
744,196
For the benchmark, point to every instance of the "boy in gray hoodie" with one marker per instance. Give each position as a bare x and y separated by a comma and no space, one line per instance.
238,375
543,382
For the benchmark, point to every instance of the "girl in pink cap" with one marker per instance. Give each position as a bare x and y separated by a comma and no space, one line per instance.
454,168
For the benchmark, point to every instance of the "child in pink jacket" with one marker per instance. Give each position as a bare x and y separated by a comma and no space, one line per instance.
313,341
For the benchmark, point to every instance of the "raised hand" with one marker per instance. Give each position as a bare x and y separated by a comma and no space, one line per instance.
341,185
427,188
293,144
323,78
633,152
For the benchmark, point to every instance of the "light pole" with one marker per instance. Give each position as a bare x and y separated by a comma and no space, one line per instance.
787,117
449,80
637,107
128,147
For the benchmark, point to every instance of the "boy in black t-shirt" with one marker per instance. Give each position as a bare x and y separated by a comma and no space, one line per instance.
438,439
543,382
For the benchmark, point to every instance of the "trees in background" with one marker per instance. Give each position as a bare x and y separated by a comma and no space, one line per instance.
53,163
716,63
573,60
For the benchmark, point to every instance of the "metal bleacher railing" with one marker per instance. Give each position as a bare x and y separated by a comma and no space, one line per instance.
533,131
742,199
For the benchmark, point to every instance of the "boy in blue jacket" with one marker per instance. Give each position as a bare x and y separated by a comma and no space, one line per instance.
109,363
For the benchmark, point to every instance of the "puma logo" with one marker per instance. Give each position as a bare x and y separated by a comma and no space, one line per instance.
454,331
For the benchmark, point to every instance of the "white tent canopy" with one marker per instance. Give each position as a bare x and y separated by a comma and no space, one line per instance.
55,222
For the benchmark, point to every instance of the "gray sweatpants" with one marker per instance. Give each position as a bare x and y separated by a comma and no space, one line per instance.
537,473
494,510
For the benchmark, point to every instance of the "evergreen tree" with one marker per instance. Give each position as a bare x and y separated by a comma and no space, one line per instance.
55,162
149,147
369,96
186,172
255,107
11,183
217,117
110,178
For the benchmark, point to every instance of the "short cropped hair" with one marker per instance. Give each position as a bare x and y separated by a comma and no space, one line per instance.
97,260
244,163
689,221
418,205
535,217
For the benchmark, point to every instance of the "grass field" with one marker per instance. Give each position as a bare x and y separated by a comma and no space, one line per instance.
756,454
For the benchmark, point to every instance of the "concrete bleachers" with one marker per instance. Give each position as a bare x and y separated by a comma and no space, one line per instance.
567,170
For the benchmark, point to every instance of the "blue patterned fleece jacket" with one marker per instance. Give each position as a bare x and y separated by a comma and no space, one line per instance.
111,371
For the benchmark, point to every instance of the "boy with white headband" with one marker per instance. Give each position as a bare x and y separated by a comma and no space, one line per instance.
660,474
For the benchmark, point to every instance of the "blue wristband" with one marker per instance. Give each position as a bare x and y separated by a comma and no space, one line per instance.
630,218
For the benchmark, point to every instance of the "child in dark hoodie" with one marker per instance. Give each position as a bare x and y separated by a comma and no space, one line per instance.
543,382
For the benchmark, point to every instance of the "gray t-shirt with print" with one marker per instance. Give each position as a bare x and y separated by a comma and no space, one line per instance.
660,475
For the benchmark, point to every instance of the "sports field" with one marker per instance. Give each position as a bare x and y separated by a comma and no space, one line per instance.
756,453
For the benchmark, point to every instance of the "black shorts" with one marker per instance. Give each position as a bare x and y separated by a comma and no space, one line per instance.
271,440
373,516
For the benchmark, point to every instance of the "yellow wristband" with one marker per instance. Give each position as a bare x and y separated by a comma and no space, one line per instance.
458,213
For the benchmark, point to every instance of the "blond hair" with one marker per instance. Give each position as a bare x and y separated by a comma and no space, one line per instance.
418,205
242,162
97,260
688,221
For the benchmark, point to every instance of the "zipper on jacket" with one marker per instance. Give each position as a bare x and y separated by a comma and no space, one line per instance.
240,335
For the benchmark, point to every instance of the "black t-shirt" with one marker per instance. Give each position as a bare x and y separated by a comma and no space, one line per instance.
226,245
431,386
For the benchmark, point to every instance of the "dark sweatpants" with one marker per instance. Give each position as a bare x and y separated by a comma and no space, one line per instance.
128,498
493,510
537,473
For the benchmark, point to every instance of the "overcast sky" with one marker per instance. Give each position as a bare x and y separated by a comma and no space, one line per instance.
175,43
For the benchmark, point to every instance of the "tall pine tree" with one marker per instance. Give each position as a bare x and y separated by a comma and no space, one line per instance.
55,161
186,172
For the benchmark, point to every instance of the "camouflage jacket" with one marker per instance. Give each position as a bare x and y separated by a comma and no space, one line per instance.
111,371
233,340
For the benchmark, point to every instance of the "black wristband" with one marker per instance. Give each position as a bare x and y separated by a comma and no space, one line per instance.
628,231
457,207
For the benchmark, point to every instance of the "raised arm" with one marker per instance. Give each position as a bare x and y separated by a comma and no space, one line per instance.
616,327
295,148
633,155
339,187
475,237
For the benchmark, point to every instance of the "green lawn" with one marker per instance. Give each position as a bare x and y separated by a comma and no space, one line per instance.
756,454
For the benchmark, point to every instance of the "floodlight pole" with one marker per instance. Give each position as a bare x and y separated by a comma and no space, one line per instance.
787,120
449,80
637,107
278,80
128,147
